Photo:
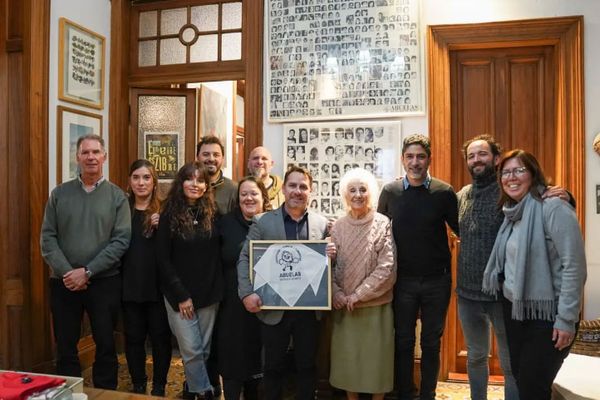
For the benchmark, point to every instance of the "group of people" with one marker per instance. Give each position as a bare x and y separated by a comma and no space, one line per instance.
183,267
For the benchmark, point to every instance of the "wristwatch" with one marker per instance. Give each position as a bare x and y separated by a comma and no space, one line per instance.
88,272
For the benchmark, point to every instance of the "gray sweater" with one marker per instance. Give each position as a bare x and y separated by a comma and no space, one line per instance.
479,219
82,229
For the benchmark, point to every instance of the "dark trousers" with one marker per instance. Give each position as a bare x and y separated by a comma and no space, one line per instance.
427,298
141,320
303,327
533,358
233,389
101,301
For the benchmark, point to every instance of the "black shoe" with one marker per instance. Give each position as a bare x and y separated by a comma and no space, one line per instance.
139,389
186,394
158,390
217,390
208,395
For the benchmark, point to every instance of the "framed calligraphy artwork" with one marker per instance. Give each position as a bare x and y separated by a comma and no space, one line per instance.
80,65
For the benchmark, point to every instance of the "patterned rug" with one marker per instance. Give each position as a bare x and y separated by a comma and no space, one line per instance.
445,390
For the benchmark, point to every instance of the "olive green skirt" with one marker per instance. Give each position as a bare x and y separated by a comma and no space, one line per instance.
362,350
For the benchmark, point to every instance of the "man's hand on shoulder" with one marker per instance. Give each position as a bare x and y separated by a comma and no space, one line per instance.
76,279
252,303
556,191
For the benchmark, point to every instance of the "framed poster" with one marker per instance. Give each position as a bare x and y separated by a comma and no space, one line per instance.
344,59
162,150
292,274
80,65
330,149
213,114
71,124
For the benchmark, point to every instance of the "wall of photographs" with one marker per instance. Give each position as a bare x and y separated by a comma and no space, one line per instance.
328,150
340,59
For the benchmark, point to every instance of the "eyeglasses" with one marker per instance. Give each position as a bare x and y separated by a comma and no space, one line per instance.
516,172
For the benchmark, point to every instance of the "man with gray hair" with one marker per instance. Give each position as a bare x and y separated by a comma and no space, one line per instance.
420,207
86,230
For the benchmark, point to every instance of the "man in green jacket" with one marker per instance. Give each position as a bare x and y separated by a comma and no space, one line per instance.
86,230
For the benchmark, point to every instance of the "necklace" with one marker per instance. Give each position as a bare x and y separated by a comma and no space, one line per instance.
194,216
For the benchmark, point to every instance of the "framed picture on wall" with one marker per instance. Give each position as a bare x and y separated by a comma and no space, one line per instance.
344,60
291,274
162,150
330,149
80,65
71,125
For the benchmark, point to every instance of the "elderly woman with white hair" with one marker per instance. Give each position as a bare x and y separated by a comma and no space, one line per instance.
362,342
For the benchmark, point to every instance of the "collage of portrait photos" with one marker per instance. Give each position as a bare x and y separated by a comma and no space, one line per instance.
328,150
339,59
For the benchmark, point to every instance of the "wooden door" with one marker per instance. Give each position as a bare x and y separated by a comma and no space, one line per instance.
163,130
508,93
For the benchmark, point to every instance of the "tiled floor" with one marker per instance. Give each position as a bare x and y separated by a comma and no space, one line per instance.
445,390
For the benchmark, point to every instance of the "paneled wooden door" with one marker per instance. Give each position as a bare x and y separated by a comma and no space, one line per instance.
510,94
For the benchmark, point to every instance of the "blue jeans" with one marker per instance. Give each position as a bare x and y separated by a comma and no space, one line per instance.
193,337
428,297
476,318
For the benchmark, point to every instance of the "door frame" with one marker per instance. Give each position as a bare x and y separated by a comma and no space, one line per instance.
565,34
250,69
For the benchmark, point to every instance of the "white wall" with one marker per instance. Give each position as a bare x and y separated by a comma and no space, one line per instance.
94,15
434,12
225,88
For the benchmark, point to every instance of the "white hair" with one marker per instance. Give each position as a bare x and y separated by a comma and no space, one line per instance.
363,176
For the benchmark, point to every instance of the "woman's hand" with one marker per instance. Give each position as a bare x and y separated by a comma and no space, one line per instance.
351,301
186,309
562,338
252,303
154,220
331,250
339,301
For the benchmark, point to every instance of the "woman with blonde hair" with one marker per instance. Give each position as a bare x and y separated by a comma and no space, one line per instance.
362,342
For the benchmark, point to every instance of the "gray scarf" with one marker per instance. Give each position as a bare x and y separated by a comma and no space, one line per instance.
534,296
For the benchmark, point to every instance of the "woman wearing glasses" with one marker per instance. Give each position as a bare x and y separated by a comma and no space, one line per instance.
188,245
538,265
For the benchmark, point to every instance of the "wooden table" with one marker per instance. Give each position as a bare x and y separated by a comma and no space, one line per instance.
103,394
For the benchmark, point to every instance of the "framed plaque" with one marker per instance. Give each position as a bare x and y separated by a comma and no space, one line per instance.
292,274
350,59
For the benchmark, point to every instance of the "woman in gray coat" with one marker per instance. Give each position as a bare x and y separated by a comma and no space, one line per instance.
538,264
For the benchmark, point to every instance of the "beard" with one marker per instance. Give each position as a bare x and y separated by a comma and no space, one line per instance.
488,171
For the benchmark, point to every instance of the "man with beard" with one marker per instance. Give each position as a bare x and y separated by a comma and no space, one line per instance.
260,163
420,207
211,152
479,219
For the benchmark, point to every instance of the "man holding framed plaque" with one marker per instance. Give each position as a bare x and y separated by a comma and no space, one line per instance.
291,222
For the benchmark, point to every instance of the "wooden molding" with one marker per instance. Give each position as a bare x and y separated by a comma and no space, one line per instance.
565,34
118,111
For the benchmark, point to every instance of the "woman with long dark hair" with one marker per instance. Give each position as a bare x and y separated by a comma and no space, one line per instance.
538,266
239,343
143,306
189,254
